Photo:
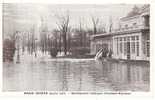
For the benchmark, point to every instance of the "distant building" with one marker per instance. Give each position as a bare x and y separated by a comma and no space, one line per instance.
131,40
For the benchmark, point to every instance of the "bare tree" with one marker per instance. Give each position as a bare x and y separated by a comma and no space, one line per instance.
44,36
95,22
69,39
102,27
56,37
80,32
110,24
63,25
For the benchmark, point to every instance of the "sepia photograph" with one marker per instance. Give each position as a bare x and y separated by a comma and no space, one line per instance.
75,47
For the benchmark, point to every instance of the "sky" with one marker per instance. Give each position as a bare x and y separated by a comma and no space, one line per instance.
23,16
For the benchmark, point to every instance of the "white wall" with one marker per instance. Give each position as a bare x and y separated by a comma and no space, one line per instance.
138,20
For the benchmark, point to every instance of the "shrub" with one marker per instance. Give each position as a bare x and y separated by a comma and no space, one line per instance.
8,50
53,52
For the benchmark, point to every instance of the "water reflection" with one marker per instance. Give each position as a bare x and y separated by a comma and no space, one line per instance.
127,76
78,75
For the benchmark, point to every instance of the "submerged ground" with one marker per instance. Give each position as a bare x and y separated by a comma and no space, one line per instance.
64,74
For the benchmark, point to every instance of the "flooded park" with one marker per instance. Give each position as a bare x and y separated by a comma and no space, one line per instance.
65,74
81,47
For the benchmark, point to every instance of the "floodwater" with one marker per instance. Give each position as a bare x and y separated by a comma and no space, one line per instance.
76,75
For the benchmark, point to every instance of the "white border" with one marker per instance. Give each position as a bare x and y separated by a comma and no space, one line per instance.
79,1
135,96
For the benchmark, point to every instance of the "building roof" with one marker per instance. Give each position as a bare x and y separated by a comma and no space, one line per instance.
121,31
136,11
101,35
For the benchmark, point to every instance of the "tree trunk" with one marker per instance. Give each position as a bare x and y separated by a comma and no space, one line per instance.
65,43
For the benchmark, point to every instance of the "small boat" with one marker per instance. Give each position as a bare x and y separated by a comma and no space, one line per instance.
98,55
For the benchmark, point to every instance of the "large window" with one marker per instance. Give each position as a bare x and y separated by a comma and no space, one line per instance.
133,38
128,38
117,45
137,48
125,46
124,38
137,45
148,45
148,36
137,37
133,44
148,49
121,45
133,47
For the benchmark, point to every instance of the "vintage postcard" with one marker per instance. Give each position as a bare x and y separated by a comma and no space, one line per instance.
76,48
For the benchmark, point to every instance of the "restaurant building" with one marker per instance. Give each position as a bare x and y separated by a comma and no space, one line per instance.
131,40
